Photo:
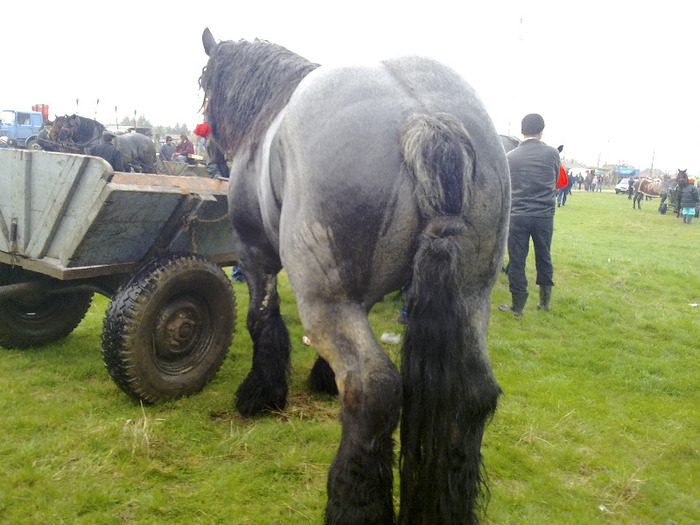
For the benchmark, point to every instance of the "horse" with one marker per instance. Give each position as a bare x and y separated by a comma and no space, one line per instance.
357,181
76,134
653,189
671,192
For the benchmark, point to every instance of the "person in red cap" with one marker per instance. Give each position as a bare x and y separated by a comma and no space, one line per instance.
216,163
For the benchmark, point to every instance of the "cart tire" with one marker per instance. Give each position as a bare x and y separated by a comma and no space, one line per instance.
36,321
168,329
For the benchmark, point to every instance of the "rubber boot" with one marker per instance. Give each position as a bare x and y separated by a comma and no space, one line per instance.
519,299
545,298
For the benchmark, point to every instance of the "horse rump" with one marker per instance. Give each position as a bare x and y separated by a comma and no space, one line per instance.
448,386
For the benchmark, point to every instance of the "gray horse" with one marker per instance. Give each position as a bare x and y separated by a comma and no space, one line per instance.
358,181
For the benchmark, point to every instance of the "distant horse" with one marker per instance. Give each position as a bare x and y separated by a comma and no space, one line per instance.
75,134
649,188
672,193
357,181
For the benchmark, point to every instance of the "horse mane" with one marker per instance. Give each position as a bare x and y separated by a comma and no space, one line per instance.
247,85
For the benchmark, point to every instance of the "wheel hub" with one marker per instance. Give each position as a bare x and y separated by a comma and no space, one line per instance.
178,330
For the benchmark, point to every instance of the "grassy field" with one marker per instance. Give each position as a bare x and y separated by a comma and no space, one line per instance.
599,422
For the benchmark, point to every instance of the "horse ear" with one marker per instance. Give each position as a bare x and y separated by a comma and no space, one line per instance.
208,41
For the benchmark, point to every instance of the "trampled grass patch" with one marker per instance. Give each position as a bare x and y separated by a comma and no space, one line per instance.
598,422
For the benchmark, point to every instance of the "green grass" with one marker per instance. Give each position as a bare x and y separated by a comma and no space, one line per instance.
599,422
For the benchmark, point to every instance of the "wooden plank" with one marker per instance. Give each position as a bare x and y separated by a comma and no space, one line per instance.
175,223
19,220
4,233
122,227
62,188
25,221
190,184
53,267
77,212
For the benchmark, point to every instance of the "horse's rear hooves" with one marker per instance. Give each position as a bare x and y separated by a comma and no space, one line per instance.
255,397
360,484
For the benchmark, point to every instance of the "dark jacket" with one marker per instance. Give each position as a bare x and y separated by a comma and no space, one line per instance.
534,169
110,153
688,195
166,151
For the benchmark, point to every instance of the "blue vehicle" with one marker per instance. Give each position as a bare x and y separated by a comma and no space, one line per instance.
21,128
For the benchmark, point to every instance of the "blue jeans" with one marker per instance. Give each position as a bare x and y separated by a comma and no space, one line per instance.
561,195
522,228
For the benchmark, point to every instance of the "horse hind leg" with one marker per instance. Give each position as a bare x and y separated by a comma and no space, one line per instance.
265,387
360,480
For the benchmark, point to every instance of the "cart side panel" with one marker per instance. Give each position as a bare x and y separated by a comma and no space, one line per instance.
43,196
129,223
71,215
123,226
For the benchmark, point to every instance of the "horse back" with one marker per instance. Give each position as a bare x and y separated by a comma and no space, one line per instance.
348,122
337,159
650,188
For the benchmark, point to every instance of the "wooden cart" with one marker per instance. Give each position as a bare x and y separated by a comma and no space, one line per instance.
154,244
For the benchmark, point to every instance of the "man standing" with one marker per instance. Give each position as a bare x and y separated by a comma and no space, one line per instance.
108,151
630,188
534,168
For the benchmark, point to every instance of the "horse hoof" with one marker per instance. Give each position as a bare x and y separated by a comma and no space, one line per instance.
255,397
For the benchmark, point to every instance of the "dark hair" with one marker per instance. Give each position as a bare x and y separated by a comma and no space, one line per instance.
168,138
532,124
247,84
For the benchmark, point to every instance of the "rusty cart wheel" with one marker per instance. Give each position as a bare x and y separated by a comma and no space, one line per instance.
168,329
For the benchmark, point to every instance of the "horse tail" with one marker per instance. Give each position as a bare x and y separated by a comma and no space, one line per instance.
449,389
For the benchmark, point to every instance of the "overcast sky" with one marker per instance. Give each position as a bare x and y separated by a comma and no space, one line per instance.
615,80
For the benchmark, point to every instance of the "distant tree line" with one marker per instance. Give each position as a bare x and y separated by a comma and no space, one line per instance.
143,122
